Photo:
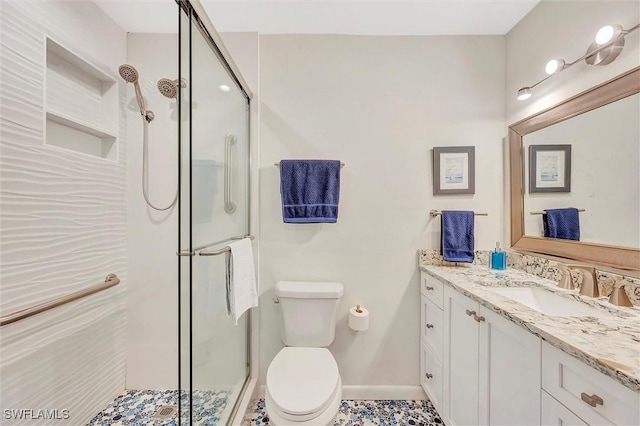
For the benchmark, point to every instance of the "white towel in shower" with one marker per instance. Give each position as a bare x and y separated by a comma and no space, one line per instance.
243,294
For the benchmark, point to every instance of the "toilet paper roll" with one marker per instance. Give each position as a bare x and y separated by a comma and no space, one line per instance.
358,321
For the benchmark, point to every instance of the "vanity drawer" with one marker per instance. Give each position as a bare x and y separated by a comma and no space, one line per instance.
554,413
431,376
591,395
432,288
432,326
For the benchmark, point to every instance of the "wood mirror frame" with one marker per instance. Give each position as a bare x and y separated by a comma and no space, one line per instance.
626,258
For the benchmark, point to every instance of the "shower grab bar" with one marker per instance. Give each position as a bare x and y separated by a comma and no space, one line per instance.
195,249
544,211
435,213
229,206
222,250
110,281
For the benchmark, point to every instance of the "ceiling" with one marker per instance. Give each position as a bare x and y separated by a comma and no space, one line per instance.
426,17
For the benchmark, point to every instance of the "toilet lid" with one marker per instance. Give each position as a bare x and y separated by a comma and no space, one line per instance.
302,380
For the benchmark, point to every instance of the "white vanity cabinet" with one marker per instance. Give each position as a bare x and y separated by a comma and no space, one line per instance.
480,368
491,367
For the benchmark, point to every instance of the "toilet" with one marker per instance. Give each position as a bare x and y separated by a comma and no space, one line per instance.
303,382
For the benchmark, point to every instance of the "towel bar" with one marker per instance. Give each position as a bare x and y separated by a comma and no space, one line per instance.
435,213
222,250
542,212
278,164
204,246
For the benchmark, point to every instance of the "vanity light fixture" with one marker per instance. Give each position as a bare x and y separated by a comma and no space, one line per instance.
608,44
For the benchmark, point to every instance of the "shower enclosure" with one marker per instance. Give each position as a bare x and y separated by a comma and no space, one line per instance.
213,211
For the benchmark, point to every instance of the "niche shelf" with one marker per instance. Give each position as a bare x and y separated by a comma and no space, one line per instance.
81,104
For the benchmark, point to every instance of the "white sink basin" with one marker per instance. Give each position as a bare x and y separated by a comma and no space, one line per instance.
549,303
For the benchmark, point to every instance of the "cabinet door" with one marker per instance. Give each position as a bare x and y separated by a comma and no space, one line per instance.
460,391
431,376
509,372
432,327
554,413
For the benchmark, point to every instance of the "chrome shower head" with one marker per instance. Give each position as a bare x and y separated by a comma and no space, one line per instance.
168,88
128,73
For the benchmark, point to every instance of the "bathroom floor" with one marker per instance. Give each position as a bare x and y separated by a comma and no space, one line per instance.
137,407
357,413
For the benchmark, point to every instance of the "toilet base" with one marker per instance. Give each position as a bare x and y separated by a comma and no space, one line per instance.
323,419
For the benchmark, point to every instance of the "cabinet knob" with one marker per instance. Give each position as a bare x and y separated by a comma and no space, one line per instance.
470,313
478,318
428,325
428,375
428,287
592,400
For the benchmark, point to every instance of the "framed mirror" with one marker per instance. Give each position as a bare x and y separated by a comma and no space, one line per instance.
602,127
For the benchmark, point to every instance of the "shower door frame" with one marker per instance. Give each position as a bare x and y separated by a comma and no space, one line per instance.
197,15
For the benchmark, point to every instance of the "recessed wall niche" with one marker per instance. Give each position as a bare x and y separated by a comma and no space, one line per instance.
81,104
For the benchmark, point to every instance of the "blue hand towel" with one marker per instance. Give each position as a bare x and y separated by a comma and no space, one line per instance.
561,223
310,190
457,236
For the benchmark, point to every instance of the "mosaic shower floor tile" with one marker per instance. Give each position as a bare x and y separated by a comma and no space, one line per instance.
137,407
360,413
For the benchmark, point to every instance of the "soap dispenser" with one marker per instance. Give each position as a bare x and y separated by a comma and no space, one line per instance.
498,258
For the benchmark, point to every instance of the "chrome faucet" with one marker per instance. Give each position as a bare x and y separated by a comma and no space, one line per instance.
589,285
618,296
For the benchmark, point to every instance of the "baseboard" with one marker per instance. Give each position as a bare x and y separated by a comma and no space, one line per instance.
375,392
383,392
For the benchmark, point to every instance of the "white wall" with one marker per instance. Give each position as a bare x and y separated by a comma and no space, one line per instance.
63,223
379,104
564,30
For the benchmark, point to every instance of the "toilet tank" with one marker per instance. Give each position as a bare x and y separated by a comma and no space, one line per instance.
308,311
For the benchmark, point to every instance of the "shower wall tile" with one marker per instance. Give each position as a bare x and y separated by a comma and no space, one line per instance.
63,223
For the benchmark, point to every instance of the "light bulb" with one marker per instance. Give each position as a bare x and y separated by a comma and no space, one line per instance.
554,66
524,93
605,34
224,88
608,33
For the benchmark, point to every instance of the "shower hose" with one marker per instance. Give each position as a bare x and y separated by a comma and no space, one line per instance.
145,170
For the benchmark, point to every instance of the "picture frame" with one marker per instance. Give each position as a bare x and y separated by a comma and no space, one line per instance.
549,168
454,170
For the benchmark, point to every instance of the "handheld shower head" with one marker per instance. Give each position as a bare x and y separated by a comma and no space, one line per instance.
130,75
168,88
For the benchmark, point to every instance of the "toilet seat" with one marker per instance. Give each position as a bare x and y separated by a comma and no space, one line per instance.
302,383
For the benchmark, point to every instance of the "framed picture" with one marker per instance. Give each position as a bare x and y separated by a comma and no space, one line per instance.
549,168
454,170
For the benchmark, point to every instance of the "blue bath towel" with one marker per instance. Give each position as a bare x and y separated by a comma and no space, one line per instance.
457,236
561,223
310,190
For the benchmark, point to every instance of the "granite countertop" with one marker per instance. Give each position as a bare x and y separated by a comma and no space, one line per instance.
610,344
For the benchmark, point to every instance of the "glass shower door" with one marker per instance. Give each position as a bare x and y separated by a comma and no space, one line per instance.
214,210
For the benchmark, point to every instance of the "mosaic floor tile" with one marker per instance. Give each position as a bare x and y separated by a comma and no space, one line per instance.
136,407
360,413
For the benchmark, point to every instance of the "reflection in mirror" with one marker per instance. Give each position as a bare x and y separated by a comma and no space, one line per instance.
605,181
601,125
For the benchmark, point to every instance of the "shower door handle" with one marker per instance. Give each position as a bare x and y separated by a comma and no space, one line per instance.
229,206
